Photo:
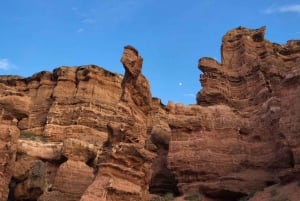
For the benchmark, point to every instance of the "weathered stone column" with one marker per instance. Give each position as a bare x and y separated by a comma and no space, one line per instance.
125,165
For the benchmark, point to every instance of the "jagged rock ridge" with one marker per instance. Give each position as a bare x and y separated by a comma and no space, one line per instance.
243,136
84,133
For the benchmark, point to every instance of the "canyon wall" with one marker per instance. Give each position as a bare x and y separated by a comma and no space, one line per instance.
244,133
84,133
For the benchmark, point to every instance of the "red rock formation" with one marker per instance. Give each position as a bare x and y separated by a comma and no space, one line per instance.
243,135
14,106
8,149
135,87
29,179
289,191
89,134
74,176
70,102
163,181
125,166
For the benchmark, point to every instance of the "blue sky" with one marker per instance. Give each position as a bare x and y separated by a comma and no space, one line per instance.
171,35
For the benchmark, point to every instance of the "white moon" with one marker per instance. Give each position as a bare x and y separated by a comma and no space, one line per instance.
180,83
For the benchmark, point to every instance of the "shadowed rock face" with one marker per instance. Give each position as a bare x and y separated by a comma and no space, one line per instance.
95,135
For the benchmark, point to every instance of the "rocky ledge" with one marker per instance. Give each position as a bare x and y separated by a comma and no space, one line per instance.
84,133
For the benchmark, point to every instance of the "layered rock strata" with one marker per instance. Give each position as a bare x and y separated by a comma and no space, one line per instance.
125,165
70,102
14,106
243,134
84,133
73,176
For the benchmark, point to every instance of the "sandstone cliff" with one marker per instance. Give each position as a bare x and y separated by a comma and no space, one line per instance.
84,133
244,135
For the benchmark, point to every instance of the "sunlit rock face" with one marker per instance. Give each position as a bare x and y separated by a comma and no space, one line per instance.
63,117
68,102
243,134
84,133
125,166
13,106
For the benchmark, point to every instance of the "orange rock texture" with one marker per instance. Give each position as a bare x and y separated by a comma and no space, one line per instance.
14,106
244,133
84,133
125,163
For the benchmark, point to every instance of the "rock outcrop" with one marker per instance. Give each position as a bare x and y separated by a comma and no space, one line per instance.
73,176
29,179
14,106
8,149
84,133
243,134
70,102
125,166
51,109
